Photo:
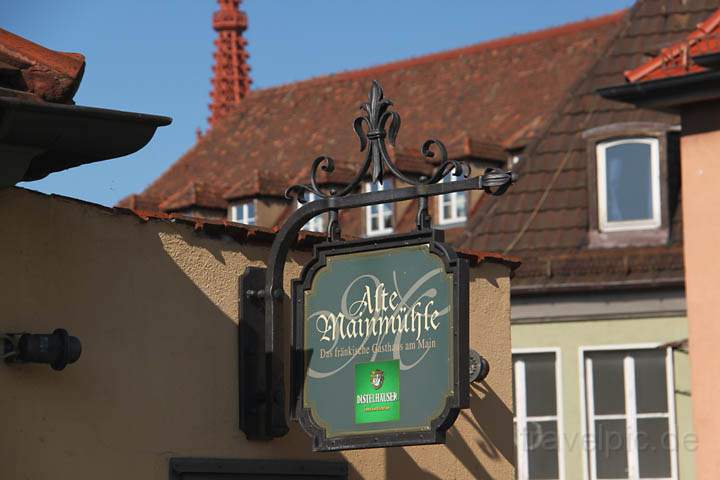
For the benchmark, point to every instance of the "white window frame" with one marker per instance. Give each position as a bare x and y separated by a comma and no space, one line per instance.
452,199
240,212
317,223
625,225
587,405
383,207
521,433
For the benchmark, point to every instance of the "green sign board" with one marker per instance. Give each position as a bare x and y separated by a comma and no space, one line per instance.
380,336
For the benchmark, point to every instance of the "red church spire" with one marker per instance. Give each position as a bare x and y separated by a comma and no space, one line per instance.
231,73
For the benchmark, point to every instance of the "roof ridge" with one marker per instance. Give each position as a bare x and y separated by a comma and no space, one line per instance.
505,41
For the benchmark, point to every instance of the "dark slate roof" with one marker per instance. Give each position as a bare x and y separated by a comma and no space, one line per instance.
483,99
544,218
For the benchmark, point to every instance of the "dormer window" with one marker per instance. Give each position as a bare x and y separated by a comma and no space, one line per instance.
378,218
316,224
452,207
628,174
243,212
632,183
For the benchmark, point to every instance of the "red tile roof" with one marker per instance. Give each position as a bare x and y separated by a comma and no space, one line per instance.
677,60
495,95
258,182
31,71
193,194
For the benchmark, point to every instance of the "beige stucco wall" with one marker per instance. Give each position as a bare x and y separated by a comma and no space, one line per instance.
700,147
569,337
155,305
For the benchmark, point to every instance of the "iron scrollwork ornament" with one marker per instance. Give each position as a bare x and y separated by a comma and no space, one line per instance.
372,128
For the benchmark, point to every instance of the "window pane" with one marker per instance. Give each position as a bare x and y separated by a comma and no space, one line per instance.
540,384
611,449
608,382
461,199
388,220
542,443
653,447
628,182
315,224
250,209
451,206
380,216
650,381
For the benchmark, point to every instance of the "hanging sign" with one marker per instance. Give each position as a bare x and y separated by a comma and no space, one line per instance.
380,342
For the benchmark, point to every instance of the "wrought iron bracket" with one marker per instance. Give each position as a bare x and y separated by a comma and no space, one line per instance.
262,390
253,404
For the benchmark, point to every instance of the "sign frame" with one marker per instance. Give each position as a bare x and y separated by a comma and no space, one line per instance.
457,267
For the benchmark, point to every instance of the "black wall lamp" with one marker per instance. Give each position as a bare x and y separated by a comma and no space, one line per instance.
479,367
57,349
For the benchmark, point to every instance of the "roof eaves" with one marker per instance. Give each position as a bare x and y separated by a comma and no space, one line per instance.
708,60
594,286
67,136
479,256
667,94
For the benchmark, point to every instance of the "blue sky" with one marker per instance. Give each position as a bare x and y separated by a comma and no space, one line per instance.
154,56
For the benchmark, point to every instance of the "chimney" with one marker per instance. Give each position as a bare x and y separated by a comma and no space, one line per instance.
231,73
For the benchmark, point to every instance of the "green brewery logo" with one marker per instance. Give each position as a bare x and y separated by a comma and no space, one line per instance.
377,377
377,392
